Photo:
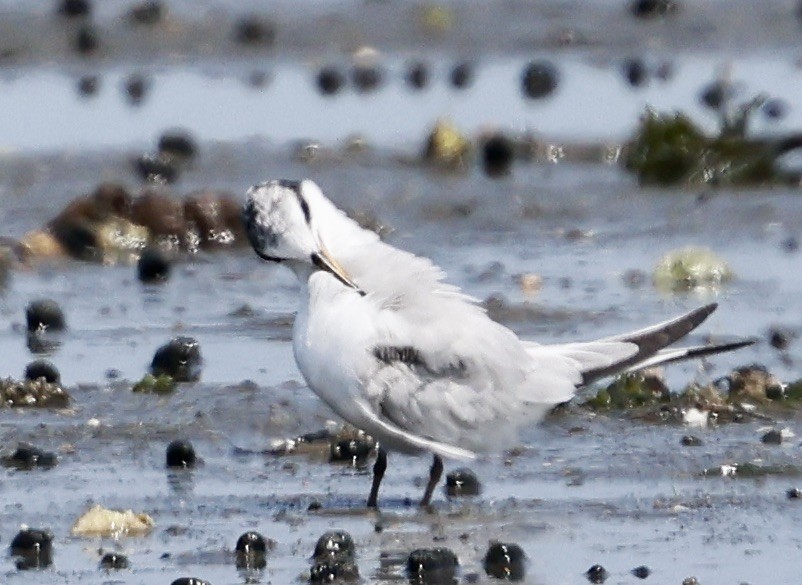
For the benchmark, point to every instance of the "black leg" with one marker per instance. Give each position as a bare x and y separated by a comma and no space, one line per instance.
378,473
435,472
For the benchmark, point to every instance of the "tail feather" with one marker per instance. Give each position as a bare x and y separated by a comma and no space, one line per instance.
651,342
677,354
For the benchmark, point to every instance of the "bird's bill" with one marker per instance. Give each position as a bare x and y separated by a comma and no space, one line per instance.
325,261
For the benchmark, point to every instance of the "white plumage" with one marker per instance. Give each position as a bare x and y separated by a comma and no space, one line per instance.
408,358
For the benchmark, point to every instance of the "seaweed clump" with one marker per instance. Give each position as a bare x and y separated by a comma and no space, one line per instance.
670,149
38,393
732,398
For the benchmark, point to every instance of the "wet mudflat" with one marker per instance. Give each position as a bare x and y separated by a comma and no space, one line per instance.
584,488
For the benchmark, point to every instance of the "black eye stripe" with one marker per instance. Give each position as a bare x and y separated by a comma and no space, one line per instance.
295,187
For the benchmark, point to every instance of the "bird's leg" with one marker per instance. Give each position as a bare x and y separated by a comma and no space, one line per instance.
435,472
378,473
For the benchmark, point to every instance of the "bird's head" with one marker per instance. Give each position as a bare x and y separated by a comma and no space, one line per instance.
282,225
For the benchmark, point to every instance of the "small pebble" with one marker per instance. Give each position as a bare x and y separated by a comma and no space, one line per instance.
775,109
32,542
366,78
794,494
417,75
28,457
179,144
335,543
772,437
252,30
596,574
779,339
180,359
87,41
690,581
635,72
42,368
432,565
641,572
251,551
505,561
88,85
251,542
153,266
691,441
181,454
463,482
73,8
148,12
330,80
354,450
539,79
652,8
714,95
135,87
189,581
114,561
461,76
498,154
44,315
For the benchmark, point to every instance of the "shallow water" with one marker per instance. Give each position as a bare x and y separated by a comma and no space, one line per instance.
583,489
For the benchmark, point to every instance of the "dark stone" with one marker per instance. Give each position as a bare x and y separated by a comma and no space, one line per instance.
136,86
641,572
652,8
27,457
180,359
779,339
157,168
330,80
334,570
353,450
42,368
463,482
153,266
366,78
113,561
772,437
691,441
181,454
251,543
252,550
73,8
44,315
432,565
87,41
88,85
178,143
498,154
335,543
148,12
252,30
34,547
417,76
597,574
794,494
539,79
715,95
461,76
189,581
775,109
505,561
635,72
